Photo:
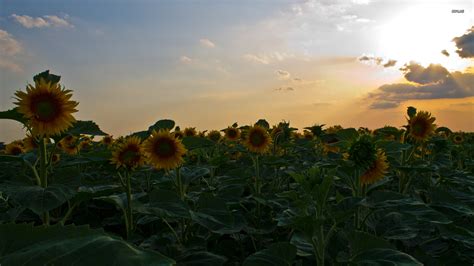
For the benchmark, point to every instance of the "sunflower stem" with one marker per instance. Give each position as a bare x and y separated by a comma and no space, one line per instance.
257,187
129,214
43,174
179,182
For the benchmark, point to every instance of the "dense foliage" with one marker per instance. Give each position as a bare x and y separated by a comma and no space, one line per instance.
329,196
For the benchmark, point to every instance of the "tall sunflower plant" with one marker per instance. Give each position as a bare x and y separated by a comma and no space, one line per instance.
46,110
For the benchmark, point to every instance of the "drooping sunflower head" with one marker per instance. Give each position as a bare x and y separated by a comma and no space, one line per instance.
15,148
214,135
363,152
69,144
458,138
421,126
376,171
129,154
47,107
232,133
308,135
190,132
107,140
258,140
164,151
85,143
30,143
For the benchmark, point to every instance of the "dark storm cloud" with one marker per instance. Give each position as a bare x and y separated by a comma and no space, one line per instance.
390,63
465,44
444,52
432,82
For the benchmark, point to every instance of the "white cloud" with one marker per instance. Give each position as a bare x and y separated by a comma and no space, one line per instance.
267,58
283,74
207,43
185,59
9,48
42,22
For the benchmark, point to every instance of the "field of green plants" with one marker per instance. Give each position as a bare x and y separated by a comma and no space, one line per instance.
70,194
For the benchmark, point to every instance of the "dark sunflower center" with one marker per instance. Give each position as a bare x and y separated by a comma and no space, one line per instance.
16,150
130,155
232,133
45,108
419,128
164,147
257,139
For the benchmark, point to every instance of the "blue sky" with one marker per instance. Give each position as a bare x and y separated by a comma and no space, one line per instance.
211,63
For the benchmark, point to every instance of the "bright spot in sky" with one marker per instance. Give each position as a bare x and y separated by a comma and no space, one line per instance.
420,34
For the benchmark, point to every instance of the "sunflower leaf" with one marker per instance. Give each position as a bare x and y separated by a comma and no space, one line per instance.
85,127
13,114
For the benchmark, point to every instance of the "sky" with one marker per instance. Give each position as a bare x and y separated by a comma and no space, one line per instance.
208,64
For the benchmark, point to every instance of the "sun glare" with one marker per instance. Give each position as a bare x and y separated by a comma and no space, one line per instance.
420,34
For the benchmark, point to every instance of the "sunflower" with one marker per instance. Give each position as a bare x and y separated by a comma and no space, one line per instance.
55,158
69,144
421,126
129,154
178,134
214,135
376,171
107,140
190,132
86,143
363,152
30,143
308,135
14,148
458,138
164,150
258,140
232,133
47,107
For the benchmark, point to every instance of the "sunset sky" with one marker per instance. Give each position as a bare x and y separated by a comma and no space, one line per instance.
209,64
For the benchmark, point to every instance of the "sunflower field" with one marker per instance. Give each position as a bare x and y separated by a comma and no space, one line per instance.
70,194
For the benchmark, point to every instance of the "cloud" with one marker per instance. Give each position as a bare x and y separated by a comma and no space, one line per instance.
444,52
185,59
42,22
8,45
283,74
432,82
416,73
375,60
465,44
390,63
267,58
287,89
9,48
207,43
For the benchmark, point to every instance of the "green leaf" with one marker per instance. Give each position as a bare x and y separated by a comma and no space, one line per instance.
277,254
361,241
85,127
347,134
36,198
165,124
383,256
23,244
47,77
164,203
192,143
13,114
202,258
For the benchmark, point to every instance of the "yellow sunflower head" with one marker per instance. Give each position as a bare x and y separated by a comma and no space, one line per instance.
47,107
214,135
421,126
458,138
376,171
15,148
129,154
69,144
30,143
232,133
164,150
190,132
107,140
258,140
